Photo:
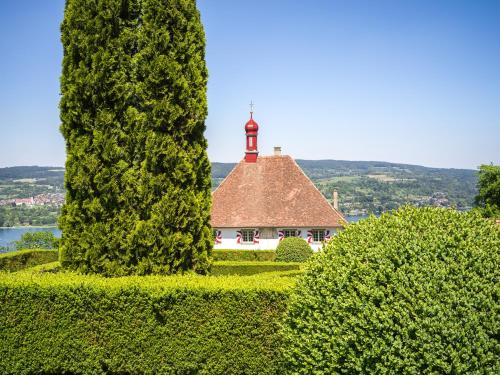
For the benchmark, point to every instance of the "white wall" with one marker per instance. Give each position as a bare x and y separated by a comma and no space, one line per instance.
229,239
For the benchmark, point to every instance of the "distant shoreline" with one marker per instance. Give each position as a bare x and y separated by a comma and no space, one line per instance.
30,226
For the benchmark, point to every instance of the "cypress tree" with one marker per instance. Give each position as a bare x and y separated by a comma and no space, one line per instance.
133,108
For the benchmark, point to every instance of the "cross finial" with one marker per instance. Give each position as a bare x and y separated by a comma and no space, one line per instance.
251,106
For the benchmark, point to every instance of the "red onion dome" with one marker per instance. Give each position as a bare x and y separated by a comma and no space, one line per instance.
251,125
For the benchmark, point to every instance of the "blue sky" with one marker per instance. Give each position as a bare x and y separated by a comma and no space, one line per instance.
403,81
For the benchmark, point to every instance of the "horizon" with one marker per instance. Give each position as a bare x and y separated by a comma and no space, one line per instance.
298,159
404,83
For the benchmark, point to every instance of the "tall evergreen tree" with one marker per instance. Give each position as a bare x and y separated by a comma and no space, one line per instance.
133,108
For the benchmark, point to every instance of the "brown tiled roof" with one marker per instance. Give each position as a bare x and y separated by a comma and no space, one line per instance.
273,192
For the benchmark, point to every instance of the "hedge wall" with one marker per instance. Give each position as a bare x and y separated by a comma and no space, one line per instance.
250,268
155,324
244,255
17,260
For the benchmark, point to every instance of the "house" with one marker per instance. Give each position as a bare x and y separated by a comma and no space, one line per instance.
267,198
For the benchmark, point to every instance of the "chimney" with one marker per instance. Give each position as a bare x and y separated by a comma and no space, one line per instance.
277,150
335,200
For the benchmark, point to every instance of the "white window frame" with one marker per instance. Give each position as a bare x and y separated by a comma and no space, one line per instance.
321,235
252,233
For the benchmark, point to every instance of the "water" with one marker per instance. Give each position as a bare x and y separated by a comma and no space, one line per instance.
353,219
8,235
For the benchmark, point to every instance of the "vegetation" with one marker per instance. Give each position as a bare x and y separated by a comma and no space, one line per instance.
364,187
243,268
133,108
414,292
37,240
17,260
375,187
488,197
23,215
293,249
72,323
244,255
25,182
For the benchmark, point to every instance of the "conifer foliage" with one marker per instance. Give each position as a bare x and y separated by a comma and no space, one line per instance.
132,109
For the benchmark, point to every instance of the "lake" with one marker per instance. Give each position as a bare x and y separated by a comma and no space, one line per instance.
8,235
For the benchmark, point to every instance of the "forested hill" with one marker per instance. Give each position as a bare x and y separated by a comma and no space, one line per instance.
363,186
373,187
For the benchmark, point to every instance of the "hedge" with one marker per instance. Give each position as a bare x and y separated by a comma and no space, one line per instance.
86,324
17,260
413,292
293,249
250,268
244,255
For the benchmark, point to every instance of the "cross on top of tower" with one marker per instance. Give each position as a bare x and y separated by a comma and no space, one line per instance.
251,106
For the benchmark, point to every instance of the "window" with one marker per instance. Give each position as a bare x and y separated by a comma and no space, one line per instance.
290,233
318,235
247,236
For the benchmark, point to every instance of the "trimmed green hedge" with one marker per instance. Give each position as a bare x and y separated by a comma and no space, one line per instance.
87,324
250,268
244,255
412,292
17,260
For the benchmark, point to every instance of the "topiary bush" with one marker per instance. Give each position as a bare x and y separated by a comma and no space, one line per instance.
415,291
293,249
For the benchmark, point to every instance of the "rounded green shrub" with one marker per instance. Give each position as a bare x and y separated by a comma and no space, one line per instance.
293,249
415,291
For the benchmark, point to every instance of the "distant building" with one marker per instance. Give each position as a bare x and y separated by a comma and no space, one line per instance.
267,198
24,201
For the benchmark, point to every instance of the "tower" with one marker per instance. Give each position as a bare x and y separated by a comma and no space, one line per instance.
251,130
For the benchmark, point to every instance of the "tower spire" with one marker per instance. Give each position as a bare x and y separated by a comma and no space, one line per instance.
251,130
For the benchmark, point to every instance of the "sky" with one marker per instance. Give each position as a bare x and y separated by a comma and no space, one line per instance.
414,81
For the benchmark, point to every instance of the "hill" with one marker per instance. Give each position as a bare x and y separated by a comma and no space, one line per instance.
363,186
374,187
